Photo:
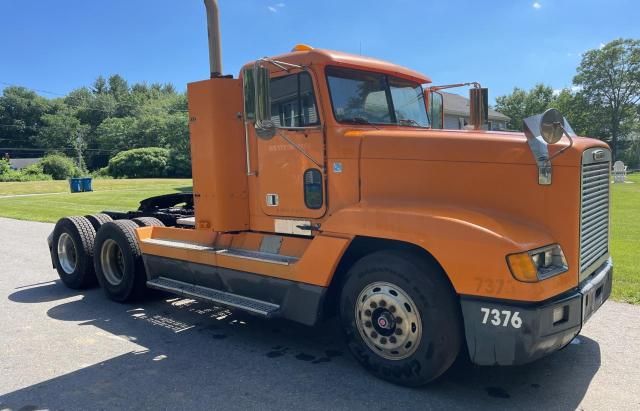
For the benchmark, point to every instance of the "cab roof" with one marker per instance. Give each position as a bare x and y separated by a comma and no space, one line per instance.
308,56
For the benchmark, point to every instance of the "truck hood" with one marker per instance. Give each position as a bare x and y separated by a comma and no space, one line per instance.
463,146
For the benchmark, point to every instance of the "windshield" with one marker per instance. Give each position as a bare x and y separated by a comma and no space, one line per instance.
366,97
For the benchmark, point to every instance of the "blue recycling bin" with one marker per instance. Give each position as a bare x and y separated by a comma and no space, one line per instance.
86,184
80,184
75,184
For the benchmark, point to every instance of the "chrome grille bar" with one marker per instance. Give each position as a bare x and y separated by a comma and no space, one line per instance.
594,209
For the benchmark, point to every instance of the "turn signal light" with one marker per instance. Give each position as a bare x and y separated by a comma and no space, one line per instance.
539,264
522,267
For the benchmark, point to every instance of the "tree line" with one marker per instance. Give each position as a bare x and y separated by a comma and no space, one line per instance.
604,101
93,124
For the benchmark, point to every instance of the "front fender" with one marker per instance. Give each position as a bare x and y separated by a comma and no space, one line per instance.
470,245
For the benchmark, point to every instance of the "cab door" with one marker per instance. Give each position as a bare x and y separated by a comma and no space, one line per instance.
291,164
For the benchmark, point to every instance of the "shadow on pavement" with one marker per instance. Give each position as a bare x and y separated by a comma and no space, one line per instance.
195,355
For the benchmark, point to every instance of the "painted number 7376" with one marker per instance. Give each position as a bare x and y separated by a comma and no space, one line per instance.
501,317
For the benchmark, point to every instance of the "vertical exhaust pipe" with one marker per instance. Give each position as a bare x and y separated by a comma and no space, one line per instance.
213,28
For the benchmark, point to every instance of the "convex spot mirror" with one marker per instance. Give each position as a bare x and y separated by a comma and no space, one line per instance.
478,106
257,100
551,126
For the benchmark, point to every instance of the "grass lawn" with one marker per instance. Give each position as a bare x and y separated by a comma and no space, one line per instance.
121,195
125,195
625,240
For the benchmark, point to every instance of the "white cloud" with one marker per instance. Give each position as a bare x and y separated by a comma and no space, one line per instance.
274,8
573,89
601,46
536,5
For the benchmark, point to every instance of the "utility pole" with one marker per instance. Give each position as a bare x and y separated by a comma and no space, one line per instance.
79,147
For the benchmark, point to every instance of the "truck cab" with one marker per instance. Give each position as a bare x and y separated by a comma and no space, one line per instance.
324,184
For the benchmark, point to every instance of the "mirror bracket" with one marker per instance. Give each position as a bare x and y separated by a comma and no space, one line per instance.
540,149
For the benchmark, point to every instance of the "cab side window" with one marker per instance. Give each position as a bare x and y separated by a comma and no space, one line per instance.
293,103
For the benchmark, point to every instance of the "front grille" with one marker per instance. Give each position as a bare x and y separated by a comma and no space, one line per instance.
594,210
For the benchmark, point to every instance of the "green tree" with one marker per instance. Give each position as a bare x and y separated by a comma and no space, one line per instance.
610,80
585,119
60,131
21,112
116,134
109,115
521,104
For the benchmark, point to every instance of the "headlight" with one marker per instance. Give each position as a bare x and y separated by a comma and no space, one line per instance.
538,264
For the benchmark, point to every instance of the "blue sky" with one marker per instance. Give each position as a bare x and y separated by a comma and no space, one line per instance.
64,44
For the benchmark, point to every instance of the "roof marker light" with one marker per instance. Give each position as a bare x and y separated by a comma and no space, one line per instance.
302,47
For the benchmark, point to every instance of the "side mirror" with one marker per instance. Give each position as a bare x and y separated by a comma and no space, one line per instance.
478,107
551,126
436,110
257,100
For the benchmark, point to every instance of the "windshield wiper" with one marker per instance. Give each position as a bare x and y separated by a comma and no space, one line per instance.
409,122
359,120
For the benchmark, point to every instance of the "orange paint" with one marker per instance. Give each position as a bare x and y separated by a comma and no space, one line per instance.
470,198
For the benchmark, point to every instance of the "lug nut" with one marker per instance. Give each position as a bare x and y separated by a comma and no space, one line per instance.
374,334
398,320
392,309
367,313
392,339
398,331
373,305
383,303
383,340
367,324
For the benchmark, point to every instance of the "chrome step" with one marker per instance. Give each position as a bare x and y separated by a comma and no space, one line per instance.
258,256
263,308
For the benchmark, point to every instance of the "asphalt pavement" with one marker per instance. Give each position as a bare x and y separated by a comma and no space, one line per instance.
64,349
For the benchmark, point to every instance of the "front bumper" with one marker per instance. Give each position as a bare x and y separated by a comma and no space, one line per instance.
511,333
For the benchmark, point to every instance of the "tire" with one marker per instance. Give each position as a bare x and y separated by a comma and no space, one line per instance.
412,311
147,222
97,220
72,250
118,261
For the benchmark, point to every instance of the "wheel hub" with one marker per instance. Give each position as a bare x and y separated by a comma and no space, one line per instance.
67,253
383,321
112,262
388,320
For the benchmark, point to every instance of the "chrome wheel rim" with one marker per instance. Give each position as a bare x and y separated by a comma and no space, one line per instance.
112,262
67,253
388,320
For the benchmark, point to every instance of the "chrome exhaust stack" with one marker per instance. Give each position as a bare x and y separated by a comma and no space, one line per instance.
213,28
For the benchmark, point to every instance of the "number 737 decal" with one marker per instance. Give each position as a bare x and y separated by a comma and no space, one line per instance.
501,317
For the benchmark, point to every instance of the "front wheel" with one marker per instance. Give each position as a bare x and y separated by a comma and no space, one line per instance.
401,317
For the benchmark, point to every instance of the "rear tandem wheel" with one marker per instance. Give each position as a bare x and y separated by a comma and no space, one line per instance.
118,262
72,251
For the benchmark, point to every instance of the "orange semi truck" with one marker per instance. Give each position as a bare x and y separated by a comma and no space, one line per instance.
324,184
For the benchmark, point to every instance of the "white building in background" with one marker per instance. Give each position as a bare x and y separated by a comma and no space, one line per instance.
20,163
456,114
